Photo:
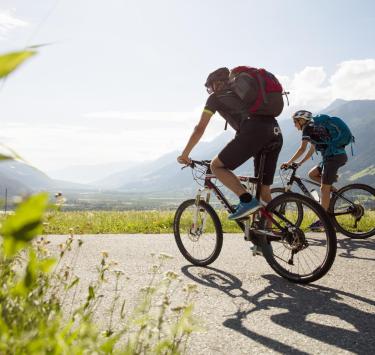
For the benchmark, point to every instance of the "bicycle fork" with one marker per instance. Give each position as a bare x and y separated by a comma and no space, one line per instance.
195,228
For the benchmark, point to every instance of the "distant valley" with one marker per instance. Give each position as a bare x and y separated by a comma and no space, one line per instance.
160,183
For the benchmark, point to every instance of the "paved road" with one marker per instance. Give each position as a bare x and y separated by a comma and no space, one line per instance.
246,308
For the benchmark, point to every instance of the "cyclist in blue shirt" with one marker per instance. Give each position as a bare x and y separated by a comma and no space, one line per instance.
318,137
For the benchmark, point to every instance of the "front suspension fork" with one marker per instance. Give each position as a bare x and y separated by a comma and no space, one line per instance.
198,198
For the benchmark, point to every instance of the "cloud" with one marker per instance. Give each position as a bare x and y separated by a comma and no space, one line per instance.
141,116
115,135
51,147
312,89
354,80
9,22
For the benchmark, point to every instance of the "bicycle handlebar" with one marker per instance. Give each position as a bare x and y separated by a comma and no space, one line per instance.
193,163
293,166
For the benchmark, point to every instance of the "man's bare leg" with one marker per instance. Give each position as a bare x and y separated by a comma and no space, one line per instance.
265,195
325,191
315,175
227,177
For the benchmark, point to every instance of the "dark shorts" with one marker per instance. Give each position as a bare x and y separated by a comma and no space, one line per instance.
329,167
255,134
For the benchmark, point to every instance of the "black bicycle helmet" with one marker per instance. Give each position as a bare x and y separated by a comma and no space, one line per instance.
221,74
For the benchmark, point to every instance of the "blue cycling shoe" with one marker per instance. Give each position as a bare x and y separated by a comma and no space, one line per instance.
245,208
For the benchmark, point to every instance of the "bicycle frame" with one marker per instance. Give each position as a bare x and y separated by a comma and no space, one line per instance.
299,181
251,184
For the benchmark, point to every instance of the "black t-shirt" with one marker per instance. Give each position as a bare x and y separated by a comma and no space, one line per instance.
229,105
316,134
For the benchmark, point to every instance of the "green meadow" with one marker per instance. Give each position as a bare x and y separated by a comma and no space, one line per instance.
112,222
148,222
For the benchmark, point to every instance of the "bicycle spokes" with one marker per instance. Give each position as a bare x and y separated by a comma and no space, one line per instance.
296,248
353,210
198,232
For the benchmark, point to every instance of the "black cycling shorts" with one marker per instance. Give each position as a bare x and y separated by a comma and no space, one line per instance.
254,135
329,167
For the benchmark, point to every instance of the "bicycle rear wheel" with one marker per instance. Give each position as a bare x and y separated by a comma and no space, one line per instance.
353,211
295,251
198,232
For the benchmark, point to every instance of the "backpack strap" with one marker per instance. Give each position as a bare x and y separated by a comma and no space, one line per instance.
262,85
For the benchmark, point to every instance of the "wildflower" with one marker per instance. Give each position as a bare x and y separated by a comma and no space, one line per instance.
171,275
149,289
165,256
105,254
178,308
119,272
60,199
113,263
190,287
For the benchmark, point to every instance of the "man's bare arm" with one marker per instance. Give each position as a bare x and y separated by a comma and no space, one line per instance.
195,136
308,155
298,153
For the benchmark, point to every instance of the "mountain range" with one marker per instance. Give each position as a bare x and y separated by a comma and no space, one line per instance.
164,175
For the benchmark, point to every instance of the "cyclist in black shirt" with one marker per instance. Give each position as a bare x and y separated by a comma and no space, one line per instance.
253,133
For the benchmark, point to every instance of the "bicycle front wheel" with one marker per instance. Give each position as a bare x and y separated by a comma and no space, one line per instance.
198,232
297,250
353,211
297,207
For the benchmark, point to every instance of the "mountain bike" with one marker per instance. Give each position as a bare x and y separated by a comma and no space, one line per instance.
290,248
351,209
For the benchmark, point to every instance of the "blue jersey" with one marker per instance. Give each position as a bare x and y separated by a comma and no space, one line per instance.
320,137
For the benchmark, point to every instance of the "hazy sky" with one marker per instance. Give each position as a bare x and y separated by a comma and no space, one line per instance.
123,80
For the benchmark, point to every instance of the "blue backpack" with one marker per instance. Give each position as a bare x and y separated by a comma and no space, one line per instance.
339,132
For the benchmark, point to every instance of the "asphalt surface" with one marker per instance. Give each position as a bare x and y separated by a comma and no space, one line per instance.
244,306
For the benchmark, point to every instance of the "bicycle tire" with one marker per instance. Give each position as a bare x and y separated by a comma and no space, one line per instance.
339,222
328,236
218,232
281,190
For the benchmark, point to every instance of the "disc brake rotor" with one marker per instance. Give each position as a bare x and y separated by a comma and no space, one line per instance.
296,241
358,212
194,236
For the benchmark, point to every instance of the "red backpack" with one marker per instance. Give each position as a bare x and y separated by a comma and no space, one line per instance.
264,98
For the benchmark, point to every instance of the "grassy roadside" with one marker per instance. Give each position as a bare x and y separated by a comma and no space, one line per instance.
108,222
133,222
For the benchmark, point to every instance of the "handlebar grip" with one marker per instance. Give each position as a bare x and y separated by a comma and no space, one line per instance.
292,166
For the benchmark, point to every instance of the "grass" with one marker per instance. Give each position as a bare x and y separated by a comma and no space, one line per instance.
367,171
108,222
148,222
43,309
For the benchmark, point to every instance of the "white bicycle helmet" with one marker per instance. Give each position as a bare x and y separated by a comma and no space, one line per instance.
306,115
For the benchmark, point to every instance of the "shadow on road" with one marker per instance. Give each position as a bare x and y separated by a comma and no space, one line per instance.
297,305
346,247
